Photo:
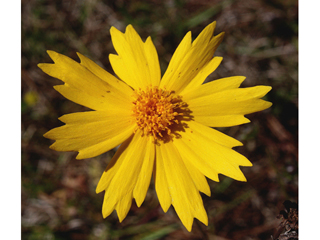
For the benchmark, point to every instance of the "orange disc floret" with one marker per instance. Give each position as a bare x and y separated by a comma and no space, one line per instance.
156,110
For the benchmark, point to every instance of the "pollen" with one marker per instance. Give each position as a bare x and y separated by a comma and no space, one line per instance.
156,111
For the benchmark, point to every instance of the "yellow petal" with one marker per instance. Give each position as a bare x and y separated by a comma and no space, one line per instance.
194,90
137,62
203,74
92,133
186,198
143,182
177,58
188,61
123,89
210,135
107,208
113,166
160,181
231,119
214,154
238,101
96,102
125,178
152,61
82,83
221,121
198,178
123,206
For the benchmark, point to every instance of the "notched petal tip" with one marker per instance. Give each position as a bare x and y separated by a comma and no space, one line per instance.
45,66
40,65
241,79
188,36
53,55
248,165
130,28
148,40
80,56
189,227
121,218
220,35
53,147
239,176
268,88
46,135
49,136
106,213
139,202
211,27
244,179
80,157
114,31
100,187
240,144
263,90
98,190
51,52
266,105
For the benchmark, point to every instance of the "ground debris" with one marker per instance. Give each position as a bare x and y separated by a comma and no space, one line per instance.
288,228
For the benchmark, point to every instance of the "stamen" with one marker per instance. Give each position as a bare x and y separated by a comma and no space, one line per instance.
156,110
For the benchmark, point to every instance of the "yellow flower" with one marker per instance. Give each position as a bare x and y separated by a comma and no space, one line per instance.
163,125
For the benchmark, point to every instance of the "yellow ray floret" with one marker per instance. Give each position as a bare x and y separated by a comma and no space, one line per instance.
189,59
91,133
184,195
137,62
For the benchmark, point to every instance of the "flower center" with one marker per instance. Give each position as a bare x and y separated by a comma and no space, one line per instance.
156,111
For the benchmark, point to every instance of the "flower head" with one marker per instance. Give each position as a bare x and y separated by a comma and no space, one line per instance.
163,125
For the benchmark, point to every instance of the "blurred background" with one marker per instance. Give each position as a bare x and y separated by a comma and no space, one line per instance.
58,191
